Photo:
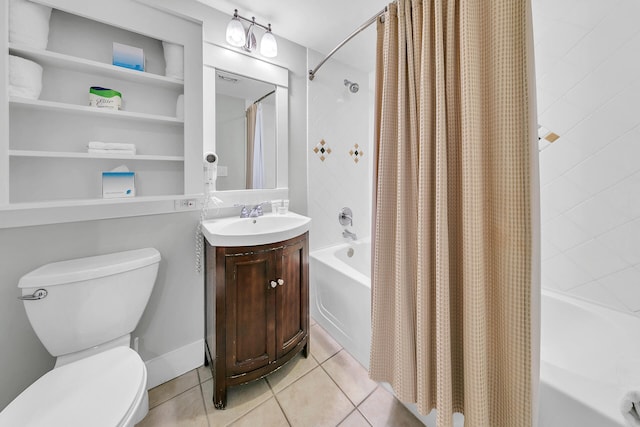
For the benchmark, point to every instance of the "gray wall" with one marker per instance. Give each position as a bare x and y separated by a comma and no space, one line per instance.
174,315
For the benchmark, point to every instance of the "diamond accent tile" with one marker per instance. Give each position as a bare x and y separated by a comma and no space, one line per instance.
322,149
356,153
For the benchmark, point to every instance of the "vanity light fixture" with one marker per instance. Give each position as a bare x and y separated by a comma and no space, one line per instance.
268,45
235,32
238,37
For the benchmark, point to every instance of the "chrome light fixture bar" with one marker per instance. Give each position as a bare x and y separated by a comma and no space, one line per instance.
238,37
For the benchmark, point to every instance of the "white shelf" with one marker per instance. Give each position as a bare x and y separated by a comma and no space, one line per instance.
54,59
62,211
70,155
38,104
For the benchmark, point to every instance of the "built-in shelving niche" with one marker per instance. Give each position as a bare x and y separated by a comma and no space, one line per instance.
48,159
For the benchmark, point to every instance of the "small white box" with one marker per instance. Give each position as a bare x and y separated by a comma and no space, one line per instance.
118,184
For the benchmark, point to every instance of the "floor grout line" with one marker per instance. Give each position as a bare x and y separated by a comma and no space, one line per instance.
275,396
204,405
172,397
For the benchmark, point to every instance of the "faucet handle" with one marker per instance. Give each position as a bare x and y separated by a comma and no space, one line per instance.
244,212
345,216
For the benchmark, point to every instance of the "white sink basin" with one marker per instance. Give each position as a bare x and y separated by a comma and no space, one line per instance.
268,228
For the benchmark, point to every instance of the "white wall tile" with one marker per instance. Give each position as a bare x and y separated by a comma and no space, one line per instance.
547,249
547,210
608,166
563,233
562,116
596,259
559,39
625,286
562,194
560,80
596,216
588,88
612,32
564,272
340,118
550,167
589,13
608,79
624,241
595,292
624,196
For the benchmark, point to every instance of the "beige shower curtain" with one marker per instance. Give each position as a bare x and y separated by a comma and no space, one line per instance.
452,257
251,134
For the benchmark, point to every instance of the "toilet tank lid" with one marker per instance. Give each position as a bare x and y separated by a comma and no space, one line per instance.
76,270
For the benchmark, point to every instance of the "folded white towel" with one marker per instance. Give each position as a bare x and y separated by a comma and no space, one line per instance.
111,145
102,151
630,408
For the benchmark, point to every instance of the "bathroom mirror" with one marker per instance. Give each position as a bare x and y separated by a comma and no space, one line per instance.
245,132
233,82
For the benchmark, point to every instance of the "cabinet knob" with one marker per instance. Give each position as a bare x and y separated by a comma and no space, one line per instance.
280,282
273,284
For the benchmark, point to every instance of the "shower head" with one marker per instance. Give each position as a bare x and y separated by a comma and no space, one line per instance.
353,87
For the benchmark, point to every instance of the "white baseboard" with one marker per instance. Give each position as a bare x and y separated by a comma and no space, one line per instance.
175,363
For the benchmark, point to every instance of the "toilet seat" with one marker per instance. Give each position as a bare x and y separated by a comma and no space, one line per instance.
106,389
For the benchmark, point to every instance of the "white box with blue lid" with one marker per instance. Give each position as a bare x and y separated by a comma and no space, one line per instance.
118,184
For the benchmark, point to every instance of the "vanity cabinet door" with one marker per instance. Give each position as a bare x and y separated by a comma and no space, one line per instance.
261,311
292,306
250,303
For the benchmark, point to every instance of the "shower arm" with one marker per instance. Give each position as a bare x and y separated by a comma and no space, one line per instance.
312,73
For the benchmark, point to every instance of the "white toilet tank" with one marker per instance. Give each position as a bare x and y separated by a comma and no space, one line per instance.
89,301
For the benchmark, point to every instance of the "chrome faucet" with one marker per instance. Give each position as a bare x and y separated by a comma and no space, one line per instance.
244,212
254,212
347,233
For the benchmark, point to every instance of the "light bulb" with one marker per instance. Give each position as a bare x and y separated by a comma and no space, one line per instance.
235,33
268,45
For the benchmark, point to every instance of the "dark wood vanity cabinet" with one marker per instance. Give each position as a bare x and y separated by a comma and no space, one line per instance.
257,304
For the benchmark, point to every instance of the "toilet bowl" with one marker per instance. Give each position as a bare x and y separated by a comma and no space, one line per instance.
83,311
106,389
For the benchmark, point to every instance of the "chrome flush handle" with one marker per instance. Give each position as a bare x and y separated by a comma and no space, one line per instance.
39,294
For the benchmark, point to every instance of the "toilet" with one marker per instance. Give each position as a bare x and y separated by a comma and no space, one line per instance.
83,311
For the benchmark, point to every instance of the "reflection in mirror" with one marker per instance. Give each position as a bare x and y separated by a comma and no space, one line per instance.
245,132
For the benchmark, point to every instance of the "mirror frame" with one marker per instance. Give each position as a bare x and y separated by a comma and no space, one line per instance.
220,58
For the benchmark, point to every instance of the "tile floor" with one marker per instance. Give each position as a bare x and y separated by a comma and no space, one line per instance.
329,388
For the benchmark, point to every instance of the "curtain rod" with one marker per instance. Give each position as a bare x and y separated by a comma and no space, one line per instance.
263,97
312,73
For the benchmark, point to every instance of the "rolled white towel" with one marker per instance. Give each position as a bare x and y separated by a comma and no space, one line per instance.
630,408
102,151
174,60
111,145
25,78
29,23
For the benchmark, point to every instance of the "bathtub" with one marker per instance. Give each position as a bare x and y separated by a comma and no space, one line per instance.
590,355
589,358
340,295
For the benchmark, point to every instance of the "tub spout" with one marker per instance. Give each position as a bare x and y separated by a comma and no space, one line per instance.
347,233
